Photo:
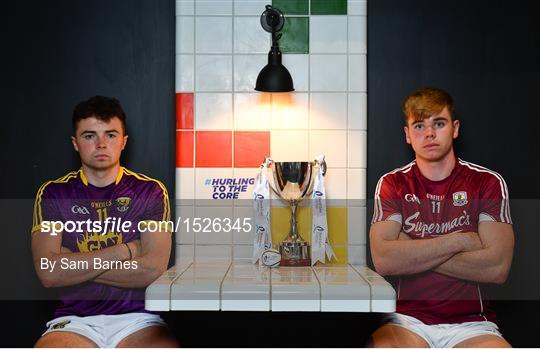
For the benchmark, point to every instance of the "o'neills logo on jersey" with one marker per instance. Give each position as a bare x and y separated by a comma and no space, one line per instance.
435,197
413,225
101,204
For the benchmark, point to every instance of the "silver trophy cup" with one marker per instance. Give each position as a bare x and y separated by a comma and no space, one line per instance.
292,182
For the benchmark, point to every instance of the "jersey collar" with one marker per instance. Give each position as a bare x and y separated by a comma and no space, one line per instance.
118,178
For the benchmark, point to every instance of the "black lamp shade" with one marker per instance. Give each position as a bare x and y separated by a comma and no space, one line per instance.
274,77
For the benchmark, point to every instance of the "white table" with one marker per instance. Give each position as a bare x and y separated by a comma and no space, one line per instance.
238,285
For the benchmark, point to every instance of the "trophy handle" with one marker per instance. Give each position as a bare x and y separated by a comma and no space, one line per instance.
266,165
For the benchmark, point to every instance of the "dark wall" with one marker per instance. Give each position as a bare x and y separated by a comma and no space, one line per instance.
487,55
56,53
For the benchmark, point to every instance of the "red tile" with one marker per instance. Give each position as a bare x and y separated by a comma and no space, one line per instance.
250,148
184,148
213,148
184,111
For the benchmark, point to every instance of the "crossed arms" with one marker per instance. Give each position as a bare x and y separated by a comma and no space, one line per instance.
151,253
485,256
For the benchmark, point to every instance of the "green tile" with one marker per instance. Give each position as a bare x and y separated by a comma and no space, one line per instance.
328,7
295,38
292,7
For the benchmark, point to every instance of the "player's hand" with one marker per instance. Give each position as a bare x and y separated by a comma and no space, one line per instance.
471,241
136,249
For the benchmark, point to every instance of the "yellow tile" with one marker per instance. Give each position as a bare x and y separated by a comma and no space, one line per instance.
337,225
280,223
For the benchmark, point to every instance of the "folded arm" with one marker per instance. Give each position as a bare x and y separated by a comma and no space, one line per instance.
47,248
394,256
491,263
151,261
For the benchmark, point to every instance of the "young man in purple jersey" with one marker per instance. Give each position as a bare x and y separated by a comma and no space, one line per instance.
82,243
443,226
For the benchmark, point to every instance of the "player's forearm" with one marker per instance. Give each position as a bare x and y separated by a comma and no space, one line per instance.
404,257
143,271
66,269
485,265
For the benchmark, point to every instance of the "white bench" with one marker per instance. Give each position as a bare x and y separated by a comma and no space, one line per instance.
238,285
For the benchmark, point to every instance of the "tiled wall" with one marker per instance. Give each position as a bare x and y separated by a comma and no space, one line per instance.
225,128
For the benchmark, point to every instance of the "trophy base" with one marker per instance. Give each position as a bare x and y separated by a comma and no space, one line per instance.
295,254
295,262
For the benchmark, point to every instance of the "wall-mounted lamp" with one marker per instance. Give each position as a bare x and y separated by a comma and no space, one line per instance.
274,77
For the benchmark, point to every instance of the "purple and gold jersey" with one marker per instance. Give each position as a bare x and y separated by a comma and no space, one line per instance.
132,197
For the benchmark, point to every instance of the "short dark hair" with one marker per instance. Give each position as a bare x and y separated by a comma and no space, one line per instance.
101,108
426,102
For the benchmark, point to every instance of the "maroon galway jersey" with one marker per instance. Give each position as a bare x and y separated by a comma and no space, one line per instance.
429,209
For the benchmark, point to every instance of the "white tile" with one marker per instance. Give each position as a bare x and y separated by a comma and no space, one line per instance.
213,35
357,254
328,73
356,184
185,180
184,72
342,289
295,289
290,110
184,253
246,175
249,7
249,36
214,72
333,144
298,66
357,7
246,70
357,73
358,34
246,286
184,34
328,34
198,288
252,111
335,182
214,226
213,111
244,236
289,146
328,111
243,252
204,188
185,7
357,149
213,252
356,225
158,293
213,7
357,111
184,233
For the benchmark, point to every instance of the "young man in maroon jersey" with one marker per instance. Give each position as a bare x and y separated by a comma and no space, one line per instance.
102,304
443,226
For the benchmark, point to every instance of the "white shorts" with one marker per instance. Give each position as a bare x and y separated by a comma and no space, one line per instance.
105,330
444,335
